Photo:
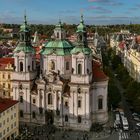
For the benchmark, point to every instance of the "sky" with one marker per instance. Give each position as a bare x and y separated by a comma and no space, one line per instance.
98,12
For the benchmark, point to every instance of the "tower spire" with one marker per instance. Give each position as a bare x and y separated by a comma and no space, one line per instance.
82,18
25,17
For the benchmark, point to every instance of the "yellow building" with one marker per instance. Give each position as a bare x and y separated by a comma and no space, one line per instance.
132,63
6,69
9,119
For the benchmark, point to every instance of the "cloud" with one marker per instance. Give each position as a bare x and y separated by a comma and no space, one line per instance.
98,9
107,2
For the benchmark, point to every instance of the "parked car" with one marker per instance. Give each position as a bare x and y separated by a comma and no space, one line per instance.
136,118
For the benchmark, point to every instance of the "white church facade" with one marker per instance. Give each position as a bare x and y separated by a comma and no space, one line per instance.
70,89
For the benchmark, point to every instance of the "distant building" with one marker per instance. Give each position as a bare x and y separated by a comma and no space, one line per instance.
9,119
132,58
6,70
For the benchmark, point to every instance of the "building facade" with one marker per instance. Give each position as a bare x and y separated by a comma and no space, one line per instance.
6,70
9,119
70,90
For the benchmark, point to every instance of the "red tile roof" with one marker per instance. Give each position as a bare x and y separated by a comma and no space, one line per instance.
6,103
98,74
4,61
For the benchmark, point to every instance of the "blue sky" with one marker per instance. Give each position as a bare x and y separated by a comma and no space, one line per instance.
49,11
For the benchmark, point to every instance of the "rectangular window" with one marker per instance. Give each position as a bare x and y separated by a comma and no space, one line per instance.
7,119
7,129
79,103
9,76
100,103
67,65
21,113
4,122
14,124
14,114
11,126
3,85
9,86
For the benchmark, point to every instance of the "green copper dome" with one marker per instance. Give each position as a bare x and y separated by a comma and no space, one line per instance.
25,39
59,25
81,27
22,46
59,47
84,50
25,27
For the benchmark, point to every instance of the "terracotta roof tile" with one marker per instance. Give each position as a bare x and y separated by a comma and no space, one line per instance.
98,74
6,60
6,103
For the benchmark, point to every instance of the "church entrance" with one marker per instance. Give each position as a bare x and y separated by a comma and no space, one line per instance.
49,117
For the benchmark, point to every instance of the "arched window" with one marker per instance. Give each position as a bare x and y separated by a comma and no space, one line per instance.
49,98
79,119
57,34
67,65
79,103
21,66
79,69
66,118
100,103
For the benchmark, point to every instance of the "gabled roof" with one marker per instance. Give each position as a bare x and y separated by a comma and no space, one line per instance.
6,103
98,74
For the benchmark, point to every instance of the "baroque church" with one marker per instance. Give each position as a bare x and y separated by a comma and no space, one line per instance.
68,88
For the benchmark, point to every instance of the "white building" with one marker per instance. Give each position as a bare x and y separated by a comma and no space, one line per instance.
71,90
9,119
